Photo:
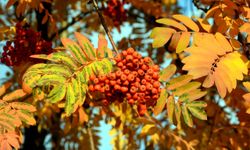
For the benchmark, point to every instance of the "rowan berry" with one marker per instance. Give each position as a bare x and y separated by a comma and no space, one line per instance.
156,84
147,59
96,81
124,89
150,71
154,91
92,77
97,87
102,78
105,102
117,87
112,82
155,68
140,72
125,82
133,89
129,57
107,88
107,81
131,77
149,86
118,58
142,88
130,50
120,64
131,101
155,75
144,67
124,53
142,109
91,88
102,89
112,76
118,73
128,95
143,81
148,77
123,77
126,72
118,81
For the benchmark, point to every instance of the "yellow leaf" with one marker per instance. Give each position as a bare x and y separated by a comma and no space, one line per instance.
205,25
223,42
183,42
161,102
167,72
187,22
179,81
146,129
247,85
171,22
174,41
161,36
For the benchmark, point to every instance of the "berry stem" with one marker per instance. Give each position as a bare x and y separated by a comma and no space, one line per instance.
105,26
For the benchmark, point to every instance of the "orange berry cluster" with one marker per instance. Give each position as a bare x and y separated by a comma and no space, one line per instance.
135,79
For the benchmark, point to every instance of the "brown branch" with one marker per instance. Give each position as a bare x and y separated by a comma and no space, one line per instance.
105,26
92,145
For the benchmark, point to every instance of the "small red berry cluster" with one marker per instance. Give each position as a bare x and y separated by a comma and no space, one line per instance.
26,42
116,11
136,80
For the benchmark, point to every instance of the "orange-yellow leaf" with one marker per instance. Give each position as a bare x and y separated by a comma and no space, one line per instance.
183,42
4,87
171,22
102,46
14,95
75,50
26,117
13,141
167,72
235,44
86,45
23,105
83,117
187,22
174,41
205,25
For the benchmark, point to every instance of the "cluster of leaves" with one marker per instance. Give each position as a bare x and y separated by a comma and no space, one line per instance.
67,75
206,51
14,115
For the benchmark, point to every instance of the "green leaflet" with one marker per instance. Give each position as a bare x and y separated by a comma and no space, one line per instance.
177,112
197,104
198,112
186,115
57,93
186,88
50,79
47,69
32,80
179,81
161,102
166,73
60,58
171,108
70,99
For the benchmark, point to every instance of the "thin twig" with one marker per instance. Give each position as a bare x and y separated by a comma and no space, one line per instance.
74,20
92,145
105,26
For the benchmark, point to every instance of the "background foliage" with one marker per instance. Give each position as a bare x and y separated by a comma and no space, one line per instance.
204,60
